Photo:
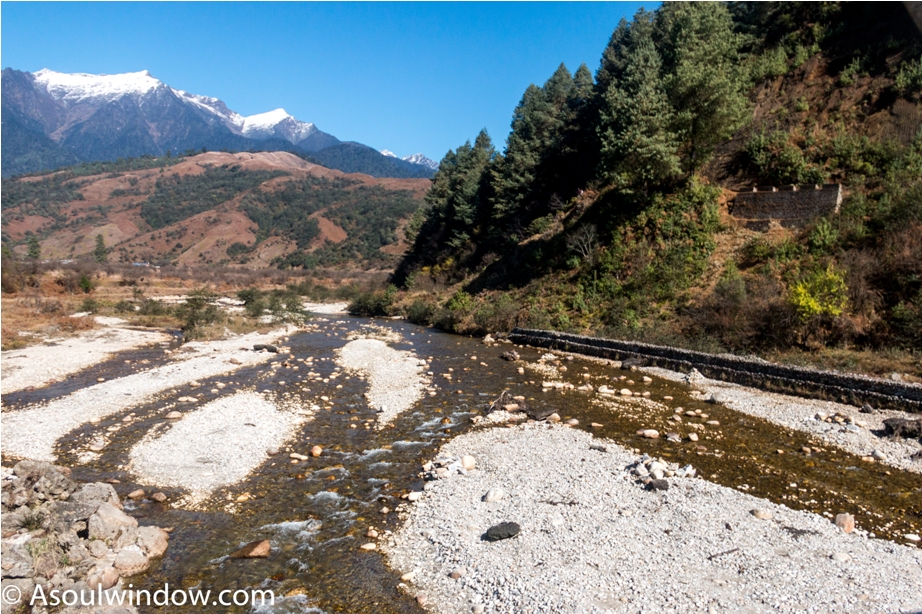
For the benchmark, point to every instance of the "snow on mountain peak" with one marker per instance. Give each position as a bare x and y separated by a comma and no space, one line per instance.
277,123
77,87
388,153
422,160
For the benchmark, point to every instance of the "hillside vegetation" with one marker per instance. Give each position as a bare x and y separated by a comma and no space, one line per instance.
607,209
253,210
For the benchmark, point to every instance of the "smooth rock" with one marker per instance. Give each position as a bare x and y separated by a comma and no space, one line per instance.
159,497
846,522
841,557
494,494
503,530
761,513
369,546
153,541
173,415
136,495
553,418
468,462
131,561
316,451
651,434
259,549
105,577
658,484
457,573
408,577
108,523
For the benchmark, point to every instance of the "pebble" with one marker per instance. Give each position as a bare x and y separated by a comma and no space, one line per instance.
468,462
369,546
173,415
408,577
555,417
693,436
650,434
572,422
841,557
457,573
761,513
371,533
136,495
878,455
912,537
316,451
846,522
625,392
159,497
596,425
494,494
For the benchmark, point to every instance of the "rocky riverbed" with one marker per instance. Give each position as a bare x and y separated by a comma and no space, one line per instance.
61,535
285,451
594,538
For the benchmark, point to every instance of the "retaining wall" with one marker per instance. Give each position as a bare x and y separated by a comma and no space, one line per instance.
793,202
844,388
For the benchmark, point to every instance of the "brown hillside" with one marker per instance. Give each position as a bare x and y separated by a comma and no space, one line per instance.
111,207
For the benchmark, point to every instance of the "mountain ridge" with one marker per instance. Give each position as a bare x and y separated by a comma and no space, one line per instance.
53,119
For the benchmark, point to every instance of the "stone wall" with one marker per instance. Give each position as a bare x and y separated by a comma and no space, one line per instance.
844,388
793,203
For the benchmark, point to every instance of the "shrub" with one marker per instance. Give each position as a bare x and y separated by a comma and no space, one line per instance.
152,307
198,310
124,307
90,305
909,77
821,293
370,304
421,312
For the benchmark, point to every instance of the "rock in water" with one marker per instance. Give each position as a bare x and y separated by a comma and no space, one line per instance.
511,356
263,346
253,550
503,530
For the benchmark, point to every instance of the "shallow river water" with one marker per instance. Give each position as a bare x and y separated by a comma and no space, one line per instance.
316,512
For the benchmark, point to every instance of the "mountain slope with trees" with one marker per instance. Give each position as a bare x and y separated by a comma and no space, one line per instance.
607,210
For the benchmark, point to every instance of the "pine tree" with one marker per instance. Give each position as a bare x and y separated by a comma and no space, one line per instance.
100,253
637,146
705,79
35,249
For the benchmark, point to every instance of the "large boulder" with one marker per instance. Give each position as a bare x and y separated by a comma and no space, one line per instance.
903,427
130,561
113,526
153,541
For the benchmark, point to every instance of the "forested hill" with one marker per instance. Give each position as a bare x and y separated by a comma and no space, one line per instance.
608,209
246,209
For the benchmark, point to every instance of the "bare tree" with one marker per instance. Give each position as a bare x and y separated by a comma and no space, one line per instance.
584,242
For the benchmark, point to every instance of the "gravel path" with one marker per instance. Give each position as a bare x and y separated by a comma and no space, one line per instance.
216,445
55,359
395,380
800,414
32,432
593,540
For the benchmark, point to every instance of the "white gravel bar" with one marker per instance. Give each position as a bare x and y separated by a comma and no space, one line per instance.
594,540
216,445
395,377
55,359
33,432
327,308
800,414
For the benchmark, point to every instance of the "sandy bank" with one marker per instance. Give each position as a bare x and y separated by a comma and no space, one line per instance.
216,445
55,359
594,540
33,432
800,414
395,380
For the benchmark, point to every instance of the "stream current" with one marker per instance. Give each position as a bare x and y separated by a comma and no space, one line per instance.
316,512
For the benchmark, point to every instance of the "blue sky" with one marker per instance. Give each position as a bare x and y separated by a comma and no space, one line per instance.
410,77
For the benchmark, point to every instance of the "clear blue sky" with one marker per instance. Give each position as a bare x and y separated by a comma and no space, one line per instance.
410,77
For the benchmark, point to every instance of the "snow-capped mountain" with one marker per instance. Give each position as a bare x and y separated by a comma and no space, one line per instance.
417,158
422,160
52,119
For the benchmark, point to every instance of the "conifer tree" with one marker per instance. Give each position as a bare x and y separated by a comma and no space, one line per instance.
637,145
705,80
100,253
35,249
